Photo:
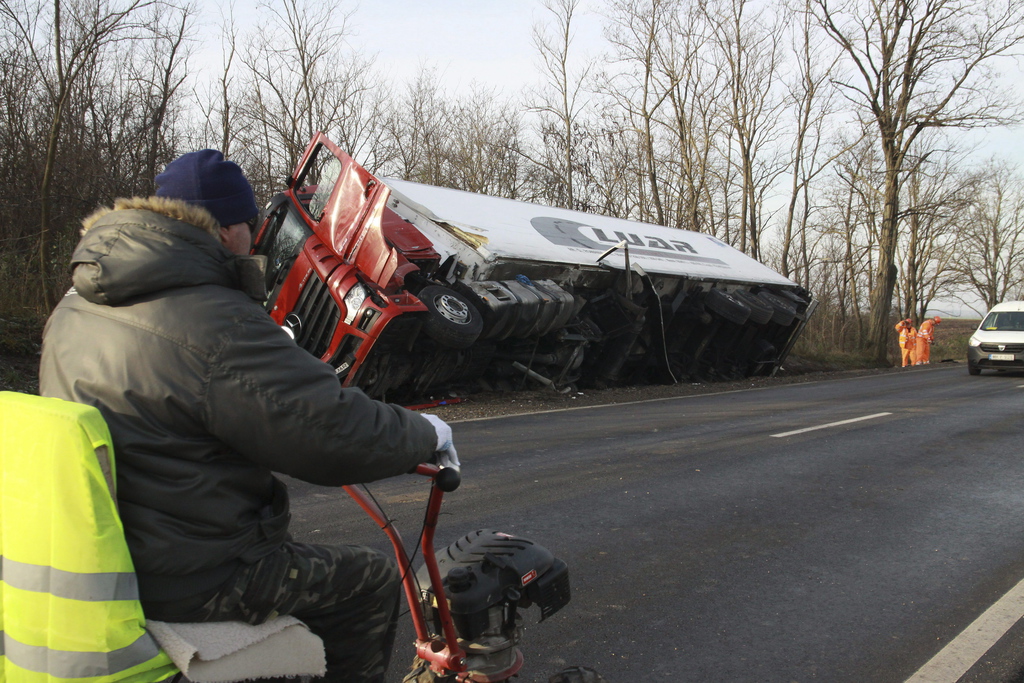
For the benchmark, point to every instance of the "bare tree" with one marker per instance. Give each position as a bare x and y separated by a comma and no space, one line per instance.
559,104
216,102
471,143
750,47
639,31
485,155
63,40
992,247
300,77
419,131
20,118
938,198
812,104
917,65
849,224
160,75
694,120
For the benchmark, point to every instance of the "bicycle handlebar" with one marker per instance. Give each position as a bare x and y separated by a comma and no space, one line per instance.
447,478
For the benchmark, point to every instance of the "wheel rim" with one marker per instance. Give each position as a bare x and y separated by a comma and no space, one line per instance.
451,308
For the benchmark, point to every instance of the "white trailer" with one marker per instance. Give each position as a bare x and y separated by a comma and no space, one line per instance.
408,288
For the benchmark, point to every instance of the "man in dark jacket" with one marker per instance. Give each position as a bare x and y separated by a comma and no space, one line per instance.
205,396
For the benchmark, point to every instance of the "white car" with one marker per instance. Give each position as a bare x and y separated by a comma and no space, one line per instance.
998,343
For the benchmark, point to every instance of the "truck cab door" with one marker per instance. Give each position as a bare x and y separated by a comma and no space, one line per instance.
345,207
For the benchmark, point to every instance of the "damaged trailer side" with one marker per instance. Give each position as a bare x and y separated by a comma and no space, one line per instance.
407,289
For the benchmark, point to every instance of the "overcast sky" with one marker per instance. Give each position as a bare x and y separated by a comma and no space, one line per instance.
488,41
484,41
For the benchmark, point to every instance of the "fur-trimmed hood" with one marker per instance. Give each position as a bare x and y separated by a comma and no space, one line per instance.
171,208
145,245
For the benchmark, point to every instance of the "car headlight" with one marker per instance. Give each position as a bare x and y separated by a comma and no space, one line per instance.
974,341
353,302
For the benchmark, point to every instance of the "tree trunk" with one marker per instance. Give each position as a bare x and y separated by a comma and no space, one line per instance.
48,297
885,282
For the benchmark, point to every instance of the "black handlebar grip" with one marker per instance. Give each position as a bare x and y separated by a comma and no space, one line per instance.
448,479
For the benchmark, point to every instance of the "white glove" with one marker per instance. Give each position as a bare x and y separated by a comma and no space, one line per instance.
446,455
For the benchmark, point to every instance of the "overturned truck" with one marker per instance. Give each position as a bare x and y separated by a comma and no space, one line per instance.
407,289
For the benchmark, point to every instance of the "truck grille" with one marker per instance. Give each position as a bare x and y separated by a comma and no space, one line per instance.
320,314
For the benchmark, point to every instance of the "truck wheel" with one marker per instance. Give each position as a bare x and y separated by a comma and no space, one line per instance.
797,301
973,369
784,313
451,319
727,306
760,311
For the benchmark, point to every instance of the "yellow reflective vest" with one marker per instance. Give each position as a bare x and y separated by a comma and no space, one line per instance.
908,335
927,331
69,608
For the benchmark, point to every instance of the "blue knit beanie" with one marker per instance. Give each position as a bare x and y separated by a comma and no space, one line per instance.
206,179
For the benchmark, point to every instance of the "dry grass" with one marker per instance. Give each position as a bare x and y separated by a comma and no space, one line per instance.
951,337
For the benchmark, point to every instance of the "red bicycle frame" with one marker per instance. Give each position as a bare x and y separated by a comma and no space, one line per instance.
443,652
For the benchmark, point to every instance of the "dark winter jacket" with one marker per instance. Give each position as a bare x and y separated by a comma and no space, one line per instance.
205,396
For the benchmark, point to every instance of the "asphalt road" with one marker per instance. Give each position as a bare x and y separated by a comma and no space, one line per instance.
704,547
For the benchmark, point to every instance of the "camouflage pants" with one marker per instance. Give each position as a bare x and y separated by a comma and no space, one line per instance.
347,595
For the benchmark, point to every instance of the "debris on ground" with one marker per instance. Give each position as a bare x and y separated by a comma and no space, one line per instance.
495,404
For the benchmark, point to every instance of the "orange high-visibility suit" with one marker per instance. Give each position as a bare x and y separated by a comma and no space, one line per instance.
925,339
908,341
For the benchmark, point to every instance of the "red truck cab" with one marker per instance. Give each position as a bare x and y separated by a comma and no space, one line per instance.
338,259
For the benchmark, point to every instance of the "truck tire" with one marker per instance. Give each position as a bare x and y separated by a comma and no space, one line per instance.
797,300
451,320
973,369
727,305
784,313
760,311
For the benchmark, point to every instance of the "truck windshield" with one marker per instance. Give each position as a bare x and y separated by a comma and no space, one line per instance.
321,173
1004,321
281,242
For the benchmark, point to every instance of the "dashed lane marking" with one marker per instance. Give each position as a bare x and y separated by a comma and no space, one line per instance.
830,424
956,659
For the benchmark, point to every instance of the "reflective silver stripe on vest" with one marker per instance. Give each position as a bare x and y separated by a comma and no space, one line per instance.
98,586
67,664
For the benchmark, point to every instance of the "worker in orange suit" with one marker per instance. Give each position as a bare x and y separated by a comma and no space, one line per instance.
925,339
908,341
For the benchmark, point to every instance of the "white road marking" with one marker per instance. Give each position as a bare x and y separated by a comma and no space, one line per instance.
954,660
830,424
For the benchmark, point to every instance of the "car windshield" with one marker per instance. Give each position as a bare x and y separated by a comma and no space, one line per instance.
1004,321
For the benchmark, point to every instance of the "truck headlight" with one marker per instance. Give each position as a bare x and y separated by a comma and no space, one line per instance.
353,302
974,341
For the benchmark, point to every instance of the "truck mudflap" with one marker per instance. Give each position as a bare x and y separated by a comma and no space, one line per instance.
409,290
